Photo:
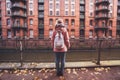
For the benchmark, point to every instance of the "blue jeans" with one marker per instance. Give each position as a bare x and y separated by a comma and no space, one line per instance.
60,61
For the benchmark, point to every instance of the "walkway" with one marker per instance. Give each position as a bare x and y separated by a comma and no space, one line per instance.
34,65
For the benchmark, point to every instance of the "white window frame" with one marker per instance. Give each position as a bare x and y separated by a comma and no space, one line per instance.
31,34
9,34
31,21
50,33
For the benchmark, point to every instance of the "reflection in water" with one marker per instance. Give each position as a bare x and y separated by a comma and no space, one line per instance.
48,55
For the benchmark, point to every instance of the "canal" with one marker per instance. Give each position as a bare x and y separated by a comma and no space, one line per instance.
48,55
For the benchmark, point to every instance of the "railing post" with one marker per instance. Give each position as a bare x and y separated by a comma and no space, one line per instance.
21,53
99,51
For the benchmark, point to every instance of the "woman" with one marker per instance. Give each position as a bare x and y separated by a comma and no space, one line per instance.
60,54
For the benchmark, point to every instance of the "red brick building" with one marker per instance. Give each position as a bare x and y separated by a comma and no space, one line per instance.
35,19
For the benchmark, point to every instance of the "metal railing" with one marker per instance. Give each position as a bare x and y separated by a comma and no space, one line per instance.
22,50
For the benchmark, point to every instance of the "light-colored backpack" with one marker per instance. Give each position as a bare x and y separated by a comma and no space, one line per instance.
59,40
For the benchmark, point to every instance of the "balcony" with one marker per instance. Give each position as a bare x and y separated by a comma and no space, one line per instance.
102,2
41,16
118,27
118,18
82,10
17,6
18,0
0,26
102,17
82,2
103,9
118,11
82,17
82,27
41,8
41,36
41,26
41,1
18,26
101,27
18,14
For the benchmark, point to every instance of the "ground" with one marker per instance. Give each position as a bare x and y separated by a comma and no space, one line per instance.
94,73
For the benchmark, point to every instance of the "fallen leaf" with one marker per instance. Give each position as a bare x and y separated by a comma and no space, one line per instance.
74,72
62,78
68,70
83,69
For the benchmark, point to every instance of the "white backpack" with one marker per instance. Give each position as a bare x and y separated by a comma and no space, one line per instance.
59,40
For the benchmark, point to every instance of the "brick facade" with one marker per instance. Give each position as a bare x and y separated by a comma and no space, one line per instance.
38,22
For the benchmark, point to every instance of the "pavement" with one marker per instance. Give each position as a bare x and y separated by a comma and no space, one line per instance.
35,65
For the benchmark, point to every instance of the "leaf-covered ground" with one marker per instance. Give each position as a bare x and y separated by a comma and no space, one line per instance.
97,73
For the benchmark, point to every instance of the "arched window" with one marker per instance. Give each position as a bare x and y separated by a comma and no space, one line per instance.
66,22
90,34
72,22
8,21
103,24
31,21
50,21
91,22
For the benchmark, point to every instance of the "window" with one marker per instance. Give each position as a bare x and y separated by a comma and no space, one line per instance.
57,6
8,4
41,21
31,12
8,12
57,13
110,14
8,21
50,21
91,22
72,6
31,5
41,14
72,13
91,1
51,6
72,0
0,23
81,1
0,34
31,21
57,0
72,33
103,24
91,7
51,13
90,34
82,22
66,6
82,8
82,15
91,13
41,7
66,22
110,33
72,22
66,13
110,8
31,33
110,23
31,0
82,33
9,34
50,33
